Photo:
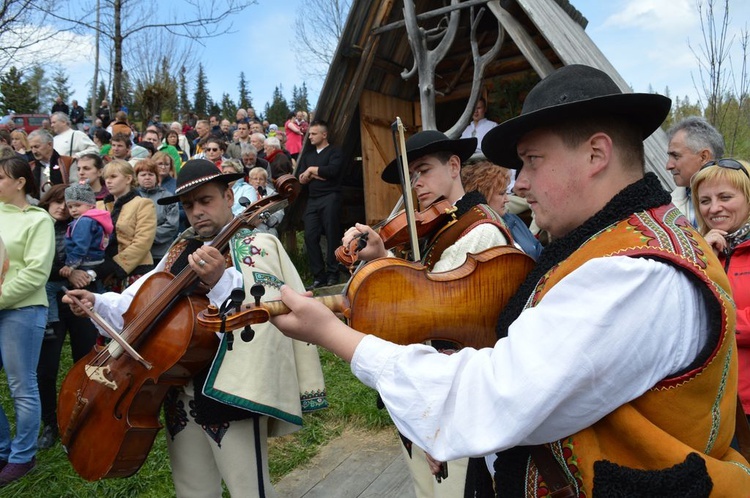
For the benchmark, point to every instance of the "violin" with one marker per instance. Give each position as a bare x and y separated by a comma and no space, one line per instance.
395,233
402,302
109,402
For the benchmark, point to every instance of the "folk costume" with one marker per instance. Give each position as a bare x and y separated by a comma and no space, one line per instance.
472,227
630,397
218,423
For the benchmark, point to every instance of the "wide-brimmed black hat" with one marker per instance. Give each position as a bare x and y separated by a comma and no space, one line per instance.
193,174
428,142
572,91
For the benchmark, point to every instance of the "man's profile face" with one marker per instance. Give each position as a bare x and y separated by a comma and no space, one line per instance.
119,150
201,129
551,181
208,208
42,150
57,124
682,162
317,135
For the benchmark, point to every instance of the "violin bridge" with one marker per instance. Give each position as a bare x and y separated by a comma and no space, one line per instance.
99,374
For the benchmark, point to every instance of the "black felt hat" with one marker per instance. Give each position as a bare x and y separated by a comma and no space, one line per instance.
193,174
429,142
571,91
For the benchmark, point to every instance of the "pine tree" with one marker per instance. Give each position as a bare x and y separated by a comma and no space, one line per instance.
245,100
16,94
213,108
101,94
127,93
300,100
60,86
184,100
228,107
278,110
201,98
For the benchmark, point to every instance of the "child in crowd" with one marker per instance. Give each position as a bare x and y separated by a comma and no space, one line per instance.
85,240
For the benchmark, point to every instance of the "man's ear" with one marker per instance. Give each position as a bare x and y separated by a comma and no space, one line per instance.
600,152
455,164
705,156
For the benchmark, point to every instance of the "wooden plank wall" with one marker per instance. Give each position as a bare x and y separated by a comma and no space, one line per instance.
377,112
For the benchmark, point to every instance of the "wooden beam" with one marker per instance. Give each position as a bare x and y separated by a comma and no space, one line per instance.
429,15
523,41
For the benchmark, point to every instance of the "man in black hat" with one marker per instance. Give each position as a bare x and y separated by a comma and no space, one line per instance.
613,374
435,174
210,441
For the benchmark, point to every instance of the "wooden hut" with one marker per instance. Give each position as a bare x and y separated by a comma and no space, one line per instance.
364,90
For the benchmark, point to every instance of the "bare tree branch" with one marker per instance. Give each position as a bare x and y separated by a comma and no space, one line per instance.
318,27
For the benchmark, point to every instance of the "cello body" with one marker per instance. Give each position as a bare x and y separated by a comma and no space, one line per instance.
108,416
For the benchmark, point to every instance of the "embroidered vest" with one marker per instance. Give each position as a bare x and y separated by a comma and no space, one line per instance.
458,227
643,444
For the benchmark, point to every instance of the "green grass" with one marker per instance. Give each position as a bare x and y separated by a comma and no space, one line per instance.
351,404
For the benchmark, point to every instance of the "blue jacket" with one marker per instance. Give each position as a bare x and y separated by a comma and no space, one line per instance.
87,238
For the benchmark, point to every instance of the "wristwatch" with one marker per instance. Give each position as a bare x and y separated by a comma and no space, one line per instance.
92,274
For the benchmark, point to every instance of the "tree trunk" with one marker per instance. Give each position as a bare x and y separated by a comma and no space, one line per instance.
117,74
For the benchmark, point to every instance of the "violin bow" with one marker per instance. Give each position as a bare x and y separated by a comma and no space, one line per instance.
403,162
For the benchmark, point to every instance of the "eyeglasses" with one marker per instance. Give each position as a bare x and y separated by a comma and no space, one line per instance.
212,149
728,164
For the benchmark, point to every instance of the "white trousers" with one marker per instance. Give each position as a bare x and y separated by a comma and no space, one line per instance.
425,484
200,463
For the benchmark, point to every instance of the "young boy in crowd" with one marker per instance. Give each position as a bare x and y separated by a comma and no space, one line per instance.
85,240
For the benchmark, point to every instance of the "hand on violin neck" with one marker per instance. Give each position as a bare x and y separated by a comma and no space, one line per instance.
208,264
374,248
310,321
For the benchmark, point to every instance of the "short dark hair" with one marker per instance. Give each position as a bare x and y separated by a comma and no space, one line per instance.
626,137
122,138
103,135
98,162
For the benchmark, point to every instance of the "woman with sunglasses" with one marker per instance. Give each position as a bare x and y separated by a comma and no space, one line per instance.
722,205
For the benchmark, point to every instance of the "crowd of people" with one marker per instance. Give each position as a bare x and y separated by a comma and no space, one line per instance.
589,383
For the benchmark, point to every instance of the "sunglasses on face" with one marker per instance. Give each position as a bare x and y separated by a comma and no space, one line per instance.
728,164
212,149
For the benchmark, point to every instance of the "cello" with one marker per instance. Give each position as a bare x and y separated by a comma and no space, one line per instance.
109,402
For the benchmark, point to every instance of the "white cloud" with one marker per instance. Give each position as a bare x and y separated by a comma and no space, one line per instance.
677,16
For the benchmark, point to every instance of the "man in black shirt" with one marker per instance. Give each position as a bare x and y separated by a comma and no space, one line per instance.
320,171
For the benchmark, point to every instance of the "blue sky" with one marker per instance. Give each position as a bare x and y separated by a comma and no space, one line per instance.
648,42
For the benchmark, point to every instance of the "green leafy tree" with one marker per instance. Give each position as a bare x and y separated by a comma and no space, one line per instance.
245,100
16,94
300,101
60,87
278,109
228,107
158,96
201,98
101,94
